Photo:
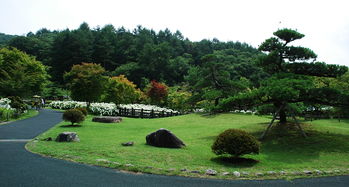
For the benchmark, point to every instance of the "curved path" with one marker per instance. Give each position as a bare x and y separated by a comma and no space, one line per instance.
19,167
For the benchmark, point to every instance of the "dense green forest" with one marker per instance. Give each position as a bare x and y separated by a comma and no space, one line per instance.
165,68
141,55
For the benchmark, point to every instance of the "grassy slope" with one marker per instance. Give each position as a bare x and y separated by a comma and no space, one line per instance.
326,148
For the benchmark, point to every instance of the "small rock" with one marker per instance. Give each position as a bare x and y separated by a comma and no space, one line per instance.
195,171
318,172
307,172
211,172
237,174
245,173
129,165
225,173
48,139
171,169
259,174
184,170
296,173
116,163
271,173
283,172
127,144
102,160
67,137
149,167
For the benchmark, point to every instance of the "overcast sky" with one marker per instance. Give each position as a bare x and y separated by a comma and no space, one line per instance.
325,23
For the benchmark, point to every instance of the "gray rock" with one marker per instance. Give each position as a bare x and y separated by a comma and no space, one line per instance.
129,165
211,172
259,174
164,138
195,171
67,137
225,173
318,172
116,163
328,172
296,173
183,170
171,169
336,171
236,174
283,173
107,119
307,172
102,160
271,173
48,139
127,144
245,173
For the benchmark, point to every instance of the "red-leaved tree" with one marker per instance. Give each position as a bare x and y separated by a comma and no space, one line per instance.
157,92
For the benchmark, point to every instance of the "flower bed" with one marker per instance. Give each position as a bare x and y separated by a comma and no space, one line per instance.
111,109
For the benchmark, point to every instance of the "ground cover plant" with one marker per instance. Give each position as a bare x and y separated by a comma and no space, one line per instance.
325,149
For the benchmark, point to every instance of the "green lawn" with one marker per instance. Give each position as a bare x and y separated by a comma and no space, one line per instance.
284,149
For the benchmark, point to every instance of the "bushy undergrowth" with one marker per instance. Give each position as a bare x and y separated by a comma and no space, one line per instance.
235,142
74,116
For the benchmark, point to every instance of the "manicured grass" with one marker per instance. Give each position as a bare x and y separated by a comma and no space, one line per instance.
28,114
284,149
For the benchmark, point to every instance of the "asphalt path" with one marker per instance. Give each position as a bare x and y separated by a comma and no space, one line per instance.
18,167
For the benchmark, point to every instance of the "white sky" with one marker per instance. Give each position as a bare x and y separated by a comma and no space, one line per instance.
325,23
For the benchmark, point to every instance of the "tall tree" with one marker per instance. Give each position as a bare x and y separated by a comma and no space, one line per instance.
86,82
291,69
20,74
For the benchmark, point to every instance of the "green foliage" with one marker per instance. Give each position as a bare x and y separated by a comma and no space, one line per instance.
235,142
6,114
20,74
18,104
83,111
86,82
74,116
178,99
122,91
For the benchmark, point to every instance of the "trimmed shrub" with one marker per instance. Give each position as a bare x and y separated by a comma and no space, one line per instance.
235,143
74,116
83,110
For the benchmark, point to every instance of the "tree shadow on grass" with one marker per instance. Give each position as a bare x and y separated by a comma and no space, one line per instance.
70,126
235,162
286,144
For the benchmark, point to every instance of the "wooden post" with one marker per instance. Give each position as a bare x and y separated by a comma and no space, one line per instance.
141,113
152,113
299,126
272,121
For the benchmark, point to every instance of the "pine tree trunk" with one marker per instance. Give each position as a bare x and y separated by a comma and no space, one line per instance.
282,115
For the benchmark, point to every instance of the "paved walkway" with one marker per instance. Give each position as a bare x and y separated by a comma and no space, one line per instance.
19,167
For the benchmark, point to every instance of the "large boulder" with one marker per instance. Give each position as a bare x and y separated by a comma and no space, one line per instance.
107,119
67,137
164,138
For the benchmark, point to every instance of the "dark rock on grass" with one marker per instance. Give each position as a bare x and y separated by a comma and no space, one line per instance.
164,138
127,144
107,119
48,139
67,137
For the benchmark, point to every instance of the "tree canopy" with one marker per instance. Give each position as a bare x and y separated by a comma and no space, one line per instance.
291,69
20,74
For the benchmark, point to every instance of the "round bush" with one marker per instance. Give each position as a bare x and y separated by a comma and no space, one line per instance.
235,143
83,110
74,116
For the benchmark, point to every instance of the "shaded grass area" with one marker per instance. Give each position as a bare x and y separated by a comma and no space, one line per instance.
28,114
284,149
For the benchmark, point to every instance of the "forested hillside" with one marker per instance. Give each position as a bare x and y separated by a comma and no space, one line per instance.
141,55
4,38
